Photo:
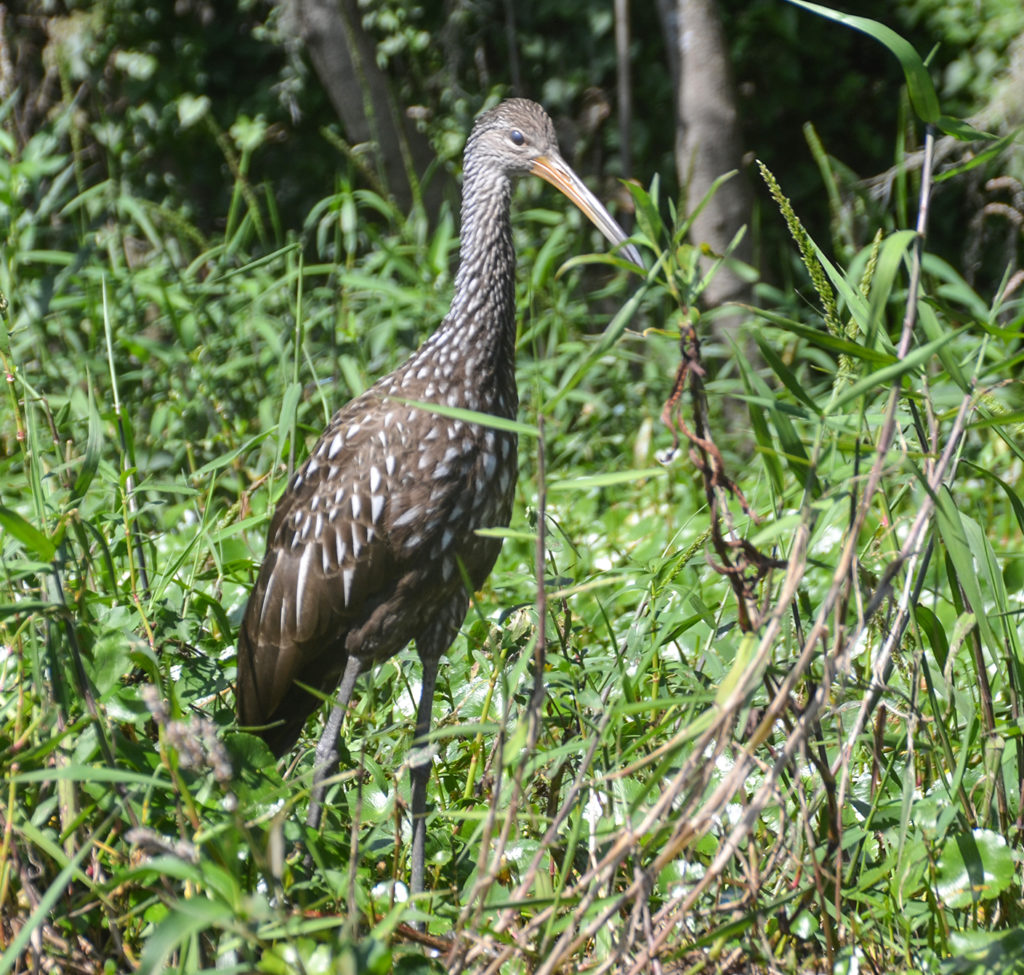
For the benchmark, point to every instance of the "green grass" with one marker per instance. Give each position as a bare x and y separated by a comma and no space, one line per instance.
837,785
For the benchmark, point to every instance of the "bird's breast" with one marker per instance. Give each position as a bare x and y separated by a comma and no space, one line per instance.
457,477
402,482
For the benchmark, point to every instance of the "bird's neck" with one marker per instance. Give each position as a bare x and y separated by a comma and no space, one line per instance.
487,260
477,336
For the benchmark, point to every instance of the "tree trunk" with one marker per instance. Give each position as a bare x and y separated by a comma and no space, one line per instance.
344,59
625,87
708,143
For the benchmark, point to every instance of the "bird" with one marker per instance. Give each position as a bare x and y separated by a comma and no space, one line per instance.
374,539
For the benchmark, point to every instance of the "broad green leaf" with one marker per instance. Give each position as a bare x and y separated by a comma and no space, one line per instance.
517,533
791,447
165,866
980,952
952,287
979,159
935,632
890,260
29,536
648,218
289,406
91,773
778,528
740,676
758,414
990,573
191,108
789,379
934,328
218,463
973,867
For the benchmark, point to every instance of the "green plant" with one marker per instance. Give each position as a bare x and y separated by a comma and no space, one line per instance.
757,703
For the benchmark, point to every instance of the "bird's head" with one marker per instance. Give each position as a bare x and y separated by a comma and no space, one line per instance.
512,136
518,136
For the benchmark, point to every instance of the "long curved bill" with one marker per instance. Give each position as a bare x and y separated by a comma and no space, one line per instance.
556,171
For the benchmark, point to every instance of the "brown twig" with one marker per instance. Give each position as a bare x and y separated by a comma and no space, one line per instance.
739,561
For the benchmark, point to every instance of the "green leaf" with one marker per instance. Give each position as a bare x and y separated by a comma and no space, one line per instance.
821,338
979,159
29,536
789,379
919,82
289,406
91,461
138,65
191,108
935,631
645,205
472,416
955,537
92,773
221,461
791,447
990,574
1013,575
740,677
606,480
782,527
963,131
759,423
973,867
517,533
608,338
986,952
889,374
933,329
923,98
186,918
890,260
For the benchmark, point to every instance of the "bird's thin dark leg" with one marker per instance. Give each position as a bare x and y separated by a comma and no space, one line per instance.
419,772
327,746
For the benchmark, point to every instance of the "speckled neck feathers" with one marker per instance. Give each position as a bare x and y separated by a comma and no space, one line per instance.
473,351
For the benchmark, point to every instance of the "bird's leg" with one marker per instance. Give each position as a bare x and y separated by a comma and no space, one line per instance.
419,772
326,761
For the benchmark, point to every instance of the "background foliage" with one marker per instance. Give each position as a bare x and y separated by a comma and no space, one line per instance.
195,273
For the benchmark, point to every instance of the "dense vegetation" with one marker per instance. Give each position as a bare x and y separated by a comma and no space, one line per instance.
779,634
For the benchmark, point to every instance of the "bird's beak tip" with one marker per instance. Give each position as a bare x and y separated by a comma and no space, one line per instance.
553,169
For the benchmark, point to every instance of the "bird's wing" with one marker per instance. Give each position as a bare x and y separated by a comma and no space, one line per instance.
355,553
326,561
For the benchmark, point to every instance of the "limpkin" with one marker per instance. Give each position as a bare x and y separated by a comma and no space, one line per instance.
375,534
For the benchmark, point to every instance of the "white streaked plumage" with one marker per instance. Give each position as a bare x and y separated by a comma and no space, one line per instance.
363,549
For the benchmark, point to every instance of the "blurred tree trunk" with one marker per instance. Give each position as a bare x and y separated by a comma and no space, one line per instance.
624,94
708,141
343,57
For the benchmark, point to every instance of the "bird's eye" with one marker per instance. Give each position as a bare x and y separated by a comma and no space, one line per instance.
517,137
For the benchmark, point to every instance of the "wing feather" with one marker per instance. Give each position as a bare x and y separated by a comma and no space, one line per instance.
362,555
